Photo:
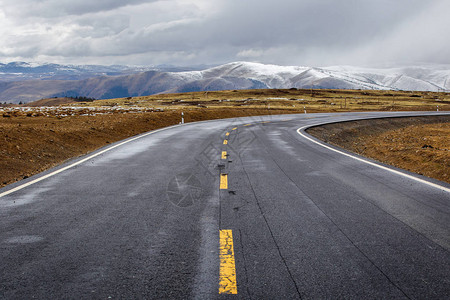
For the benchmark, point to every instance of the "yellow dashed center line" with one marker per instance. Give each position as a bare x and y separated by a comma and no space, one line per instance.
224,154
225,142
227,134
227,279
247,124
234,128
223,181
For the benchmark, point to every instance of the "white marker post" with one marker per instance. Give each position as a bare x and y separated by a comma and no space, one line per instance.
182,117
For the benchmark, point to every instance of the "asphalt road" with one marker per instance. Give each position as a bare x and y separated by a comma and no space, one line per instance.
247,206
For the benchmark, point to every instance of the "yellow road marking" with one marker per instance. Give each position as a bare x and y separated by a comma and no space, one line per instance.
223,181
247,124
225,142
224,154
265,122
227,134
234,128
227,279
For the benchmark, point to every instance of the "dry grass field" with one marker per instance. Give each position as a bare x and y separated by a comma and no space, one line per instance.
38,136
297,99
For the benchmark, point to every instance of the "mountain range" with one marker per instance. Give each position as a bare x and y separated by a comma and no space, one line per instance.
22,82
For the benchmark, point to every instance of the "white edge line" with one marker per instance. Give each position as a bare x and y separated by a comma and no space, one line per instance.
17,188
371,163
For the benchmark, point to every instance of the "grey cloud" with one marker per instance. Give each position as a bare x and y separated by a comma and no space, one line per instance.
330,32
314,32
421,38
59,8
309,23
102,26
78,7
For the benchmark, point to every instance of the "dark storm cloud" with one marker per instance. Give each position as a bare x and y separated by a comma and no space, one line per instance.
314,32
58,8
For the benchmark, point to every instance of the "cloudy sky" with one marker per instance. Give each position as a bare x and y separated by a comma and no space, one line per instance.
190,32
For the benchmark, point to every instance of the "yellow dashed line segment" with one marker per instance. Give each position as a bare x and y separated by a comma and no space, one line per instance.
223,181
224,154
227,134
225,142
227,279
247,124
234,128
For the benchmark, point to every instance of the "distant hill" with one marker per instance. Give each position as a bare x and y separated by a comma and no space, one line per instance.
51,102
18,71
232,76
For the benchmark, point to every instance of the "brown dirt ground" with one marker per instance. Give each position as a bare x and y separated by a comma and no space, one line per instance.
419,144
32,143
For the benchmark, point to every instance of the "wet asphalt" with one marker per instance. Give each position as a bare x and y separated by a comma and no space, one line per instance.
141,219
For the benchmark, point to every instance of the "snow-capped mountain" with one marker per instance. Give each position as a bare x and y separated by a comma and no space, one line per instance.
431,78
237,75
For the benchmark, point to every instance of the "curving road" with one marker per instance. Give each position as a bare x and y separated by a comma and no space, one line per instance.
248,208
